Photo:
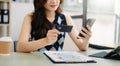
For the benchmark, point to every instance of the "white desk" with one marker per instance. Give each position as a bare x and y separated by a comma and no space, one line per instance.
39,59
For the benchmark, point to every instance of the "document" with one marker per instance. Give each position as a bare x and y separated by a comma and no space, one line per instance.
68,57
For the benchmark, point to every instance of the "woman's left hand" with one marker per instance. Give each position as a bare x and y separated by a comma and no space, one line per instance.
87,33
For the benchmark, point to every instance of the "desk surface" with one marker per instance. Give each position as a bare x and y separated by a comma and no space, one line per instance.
39,59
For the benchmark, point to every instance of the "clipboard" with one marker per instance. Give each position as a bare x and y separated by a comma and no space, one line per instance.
68,57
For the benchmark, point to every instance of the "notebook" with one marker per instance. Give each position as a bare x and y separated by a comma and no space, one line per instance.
68,57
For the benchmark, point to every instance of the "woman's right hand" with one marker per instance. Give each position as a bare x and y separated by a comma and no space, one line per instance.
52,36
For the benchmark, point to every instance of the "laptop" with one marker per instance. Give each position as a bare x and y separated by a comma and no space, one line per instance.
114,54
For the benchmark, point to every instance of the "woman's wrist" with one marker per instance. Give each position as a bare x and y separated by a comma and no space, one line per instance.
46,41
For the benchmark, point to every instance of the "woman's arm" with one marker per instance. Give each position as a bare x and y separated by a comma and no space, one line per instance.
81,42
24,45
23,42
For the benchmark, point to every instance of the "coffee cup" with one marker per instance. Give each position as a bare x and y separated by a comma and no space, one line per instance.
5,45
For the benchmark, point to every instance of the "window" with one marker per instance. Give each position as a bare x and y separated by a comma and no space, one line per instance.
104,27
73,7
104,13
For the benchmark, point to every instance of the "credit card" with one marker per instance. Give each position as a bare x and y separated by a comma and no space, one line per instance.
64,28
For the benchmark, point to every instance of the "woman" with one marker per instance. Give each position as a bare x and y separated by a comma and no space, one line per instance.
38,32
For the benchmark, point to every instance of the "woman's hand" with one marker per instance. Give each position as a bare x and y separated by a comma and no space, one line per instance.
87,33
52,36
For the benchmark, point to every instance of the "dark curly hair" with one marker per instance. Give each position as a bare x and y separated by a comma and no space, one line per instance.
40,24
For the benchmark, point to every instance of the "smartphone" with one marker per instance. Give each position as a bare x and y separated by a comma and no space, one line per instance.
89,22
64,28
